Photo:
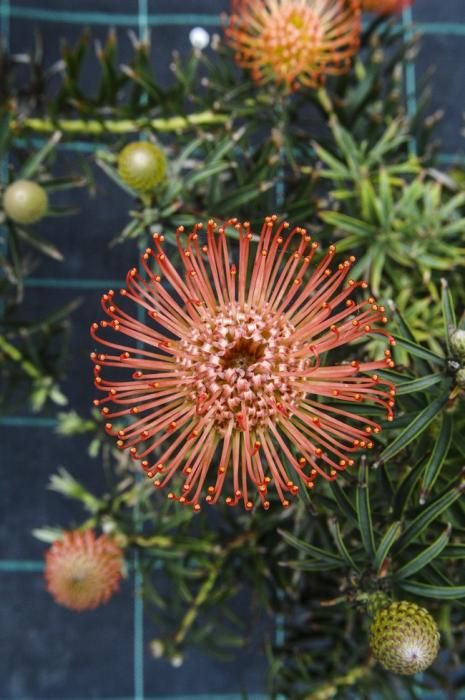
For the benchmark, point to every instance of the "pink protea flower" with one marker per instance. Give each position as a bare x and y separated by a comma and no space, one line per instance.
228,379
385,7
83,571
232,382
294,43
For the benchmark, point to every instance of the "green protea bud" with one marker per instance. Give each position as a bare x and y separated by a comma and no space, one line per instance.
404,638
377,601
25,202
457,343
142,166
460,378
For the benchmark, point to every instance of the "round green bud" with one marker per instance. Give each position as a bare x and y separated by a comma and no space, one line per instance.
457,343
460,378
25,202
404,638
142,165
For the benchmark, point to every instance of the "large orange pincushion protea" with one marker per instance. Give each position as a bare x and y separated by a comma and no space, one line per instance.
227,381
294,43
83,571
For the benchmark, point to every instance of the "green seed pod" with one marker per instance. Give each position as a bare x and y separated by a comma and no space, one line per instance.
142,166
25,202
404,638
460,378
457,343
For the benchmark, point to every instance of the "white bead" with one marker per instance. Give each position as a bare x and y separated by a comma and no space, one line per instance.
199,38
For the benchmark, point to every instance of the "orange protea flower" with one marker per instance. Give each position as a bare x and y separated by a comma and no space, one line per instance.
231,381
294,42
385,7
83,571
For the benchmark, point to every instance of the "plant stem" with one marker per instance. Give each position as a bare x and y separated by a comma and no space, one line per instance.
17,356
202,595
330,690
97,127
208,585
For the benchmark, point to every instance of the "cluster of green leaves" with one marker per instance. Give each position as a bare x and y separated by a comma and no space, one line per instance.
397,528
401,218
32,353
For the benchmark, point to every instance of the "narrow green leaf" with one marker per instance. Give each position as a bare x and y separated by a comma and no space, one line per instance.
309,549
348,223
408,335
388,539
335,530
339,170
36,242
364,510
405,489
429,514
420,384
242,195
425,557
5,118
450,322
311,565
63,183
113,175
33,163
453,551
439,454
343,502
415,428
206,172
419,351
430,591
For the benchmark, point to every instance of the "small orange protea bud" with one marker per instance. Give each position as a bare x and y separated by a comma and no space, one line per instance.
385,7
294,43
82,571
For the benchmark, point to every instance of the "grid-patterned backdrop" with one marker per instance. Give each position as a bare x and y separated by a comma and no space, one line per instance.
45,651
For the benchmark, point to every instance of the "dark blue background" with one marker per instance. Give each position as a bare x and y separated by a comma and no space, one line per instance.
46,651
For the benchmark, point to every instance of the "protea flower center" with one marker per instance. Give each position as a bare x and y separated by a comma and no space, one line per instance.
242,363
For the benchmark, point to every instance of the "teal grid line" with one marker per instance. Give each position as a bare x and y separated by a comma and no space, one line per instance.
76,146
170,19
5,21
452,158
5,35
138,610
110,19
440,27
138,632
13,566
410,75
143,19
27,422
255,696
66,283
227,696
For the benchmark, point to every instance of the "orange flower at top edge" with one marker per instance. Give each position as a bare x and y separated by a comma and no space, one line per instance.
226,382
83,571
294,43
385,7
